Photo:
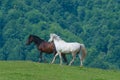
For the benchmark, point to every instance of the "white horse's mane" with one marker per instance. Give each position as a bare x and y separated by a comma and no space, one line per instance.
53,35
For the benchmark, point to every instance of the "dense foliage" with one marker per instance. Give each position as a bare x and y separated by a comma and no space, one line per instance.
96,23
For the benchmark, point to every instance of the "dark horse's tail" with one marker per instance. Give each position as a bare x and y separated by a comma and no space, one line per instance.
84,53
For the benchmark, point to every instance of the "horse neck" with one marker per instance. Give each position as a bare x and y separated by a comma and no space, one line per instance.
58,41
38,41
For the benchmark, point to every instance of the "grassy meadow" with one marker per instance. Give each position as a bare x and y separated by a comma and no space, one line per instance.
27,70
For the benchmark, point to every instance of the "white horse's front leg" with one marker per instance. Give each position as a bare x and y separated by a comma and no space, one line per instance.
54,58
60,58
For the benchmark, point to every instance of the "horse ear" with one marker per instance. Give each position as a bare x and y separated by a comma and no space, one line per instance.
51,34
30,35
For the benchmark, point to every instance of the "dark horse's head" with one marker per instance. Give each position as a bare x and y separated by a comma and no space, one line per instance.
35,39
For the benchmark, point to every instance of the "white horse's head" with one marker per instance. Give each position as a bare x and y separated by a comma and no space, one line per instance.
54,37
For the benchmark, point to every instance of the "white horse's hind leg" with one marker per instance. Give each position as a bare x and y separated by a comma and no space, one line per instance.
81,61
74,56
54,58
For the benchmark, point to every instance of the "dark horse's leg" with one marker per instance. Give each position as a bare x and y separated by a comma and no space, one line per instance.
64,58
40,57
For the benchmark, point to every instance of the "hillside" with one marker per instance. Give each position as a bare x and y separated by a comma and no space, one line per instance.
26,70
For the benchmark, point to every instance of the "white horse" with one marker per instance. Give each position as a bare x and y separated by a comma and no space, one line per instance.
65,47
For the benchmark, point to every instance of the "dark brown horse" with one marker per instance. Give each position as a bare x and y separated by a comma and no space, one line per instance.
43,46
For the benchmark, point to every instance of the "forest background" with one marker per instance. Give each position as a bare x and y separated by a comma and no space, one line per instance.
95,23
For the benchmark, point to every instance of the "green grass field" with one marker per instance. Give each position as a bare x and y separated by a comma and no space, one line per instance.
26,70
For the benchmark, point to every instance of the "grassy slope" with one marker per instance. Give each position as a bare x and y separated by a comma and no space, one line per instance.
18,70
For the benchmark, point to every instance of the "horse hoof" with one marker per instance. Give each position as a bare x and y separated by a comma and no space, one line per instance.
67,64
51,63
60,64
81,66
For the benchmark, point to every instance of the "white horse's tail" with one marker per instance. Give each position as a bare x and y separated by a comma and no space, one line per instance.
84,53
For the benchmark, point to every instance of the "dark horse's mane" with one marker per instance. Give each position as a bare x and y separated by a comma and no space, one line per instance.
37,39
